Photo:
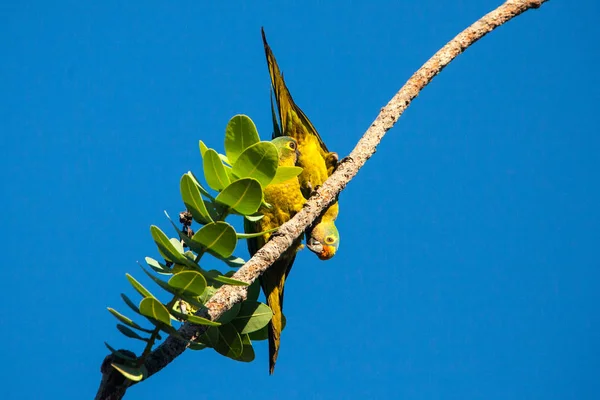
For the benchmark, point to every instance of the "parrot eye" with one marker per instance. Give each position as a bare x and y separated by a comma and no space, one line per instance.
329,240
292,145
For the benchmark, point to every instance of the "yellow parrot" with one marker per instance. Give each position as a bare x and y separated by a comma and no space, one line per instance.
317,161
286,200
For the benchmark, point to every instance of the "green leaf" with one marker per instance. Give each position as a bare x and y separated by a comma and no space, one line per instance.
130,333
176,243
230,343
253,235
190,298
171,249
285,174
217,211
168,250
254,218
217,237
234,262
263,333
225,160
214,171
150,307
203,148
253,291
230,174
132,373
252,317
196,346
210,337
202,190
247,351
158,267
230,314
138,287
127,320
229,281
208,293
239,134
244,196
258,161
193,200
189,282
194,319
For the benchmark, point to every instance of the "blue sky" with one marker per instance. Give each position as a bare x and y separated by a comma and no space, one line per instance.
468,265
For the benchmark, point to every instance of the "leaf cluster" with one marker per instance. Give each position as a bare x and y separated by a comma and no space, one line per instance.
235,188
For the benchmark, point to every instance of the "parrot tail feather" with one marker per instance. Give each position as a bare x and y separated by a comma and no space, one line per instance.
275,327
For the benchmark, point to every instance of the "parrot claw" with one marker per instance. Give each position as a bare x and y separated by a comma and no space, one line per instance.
332,160
346,159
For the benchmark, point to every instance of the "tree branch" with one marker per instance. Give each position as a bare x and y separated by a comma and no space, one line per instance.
113,385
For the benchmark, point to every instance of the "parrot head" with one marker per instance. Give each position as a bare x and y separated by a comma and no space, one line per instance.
288,150
324,240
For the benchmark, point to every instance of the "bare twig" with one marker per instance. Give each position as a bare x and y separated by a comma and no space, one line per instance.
113,386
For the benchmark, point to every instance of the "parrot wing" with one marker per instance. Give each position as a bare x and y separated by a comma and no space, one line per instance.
288,110
286,200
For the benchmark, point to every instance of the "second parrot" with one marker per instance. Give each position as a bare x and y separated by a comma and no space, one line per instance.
317,161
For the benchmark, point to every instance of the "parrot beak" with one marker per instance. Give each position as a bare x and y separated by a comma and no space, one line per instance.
324,252
327,253
314,245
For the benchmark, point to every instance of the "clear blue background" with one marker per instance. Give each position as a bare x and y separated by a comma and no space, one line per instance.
468,266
